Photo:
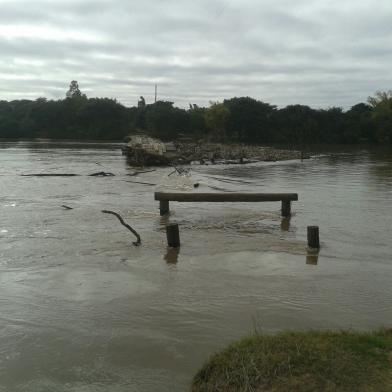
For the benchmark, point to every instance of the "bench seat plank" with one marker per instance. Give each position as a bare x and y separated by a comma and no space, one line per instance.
225,197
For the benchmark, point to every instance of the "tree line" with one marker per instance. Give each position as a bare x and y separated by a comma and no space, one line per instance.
239,119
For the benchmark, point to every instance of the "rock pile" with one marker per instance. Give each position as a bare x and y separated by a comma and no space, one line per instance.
215,153
146,153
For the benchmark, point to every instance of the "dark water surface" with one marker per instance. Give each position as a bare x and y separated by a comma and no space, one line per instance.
82,309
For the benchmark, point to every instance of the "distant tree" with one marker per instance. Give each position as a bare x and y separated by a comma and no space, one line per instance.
330,125
359,125
165,121
250,120
382,115
141,103
239,119
296,125
74,91
197,122
217,118
380,98
102,118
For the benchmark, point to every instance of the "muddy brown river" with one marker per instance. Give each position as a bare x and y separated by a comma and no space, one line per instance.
82,309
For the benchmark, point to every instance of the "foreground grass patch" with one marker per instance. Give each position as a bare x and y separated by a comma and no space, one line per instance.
302,362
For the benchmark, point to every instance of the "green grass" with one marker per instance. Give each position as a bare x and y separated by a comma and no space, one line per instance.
302,362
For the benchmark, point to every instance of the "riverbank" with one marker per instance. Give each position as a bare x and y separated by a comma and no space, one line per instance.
303,362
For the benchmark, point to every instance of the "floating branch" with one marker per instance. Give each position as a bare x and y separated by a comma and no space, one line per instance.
66,207
102,174
230,180
50,175
138,242
144,183
140,172
98,174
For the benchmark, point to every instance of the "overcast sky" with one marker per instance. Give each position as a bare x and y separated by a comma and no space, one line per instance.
320,53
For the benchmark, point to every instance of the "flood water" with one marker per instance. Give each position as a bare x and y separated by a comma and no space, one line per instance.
82,309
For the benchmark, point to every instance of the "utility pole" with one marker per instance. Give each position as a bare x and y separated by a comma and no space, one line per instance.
156,89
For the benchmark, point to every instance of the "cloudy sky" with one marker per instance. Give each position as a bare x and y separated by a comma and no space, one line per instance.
316,52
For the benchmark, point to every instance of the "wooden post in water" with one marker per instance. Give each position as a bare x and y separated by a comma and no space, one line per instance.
173,235
163,207
286,208
313,237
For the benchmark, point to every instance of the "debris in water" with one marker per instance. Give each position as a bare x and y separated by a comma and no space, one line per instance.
50,175
144,183
140,172
102,174
136,243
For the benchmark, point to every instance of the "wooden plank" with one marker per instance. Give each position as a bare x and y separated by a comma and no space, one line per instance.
225,197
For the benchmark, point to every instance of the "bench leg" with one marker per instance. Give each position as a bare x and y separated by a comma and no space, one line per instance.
286,208
163,207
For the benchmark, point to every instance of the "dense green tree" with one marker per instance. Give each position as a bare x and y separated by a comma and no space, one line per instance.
164,120
250,120
197,122
217,118
239,119
330,125
359,125
74,91
102,118
296,125
382,115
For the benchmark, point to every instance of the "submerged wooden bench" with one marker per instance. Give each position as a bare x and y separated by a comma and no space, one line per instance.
165,197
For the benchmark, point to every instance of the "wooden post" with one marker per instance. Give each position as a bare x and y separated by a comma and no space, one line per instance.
163,207
286,208
173,235
313,237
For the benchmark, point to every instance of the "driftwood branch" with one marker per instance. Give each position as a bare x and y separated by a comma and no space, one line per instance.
98,174
136,243
230,180
144,183
67,207
102,174
50,175
140,172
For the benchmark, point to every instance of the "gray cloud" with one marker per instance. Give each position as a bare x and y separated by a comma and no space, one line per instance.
321,53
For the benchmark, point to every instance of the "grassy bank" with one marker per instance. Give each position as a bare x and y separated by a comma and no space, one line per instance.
302,362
